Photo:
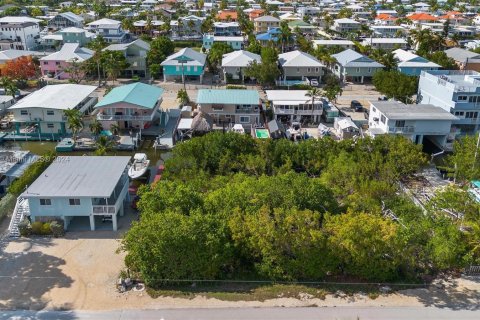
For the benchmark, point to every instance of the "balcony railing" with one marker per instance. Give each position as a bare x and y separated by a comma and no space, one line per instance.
100,210
124,117
406,129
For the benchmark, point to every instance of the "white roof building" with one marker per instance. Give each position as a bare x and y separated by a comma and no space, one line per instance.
240,58
59,96
70,52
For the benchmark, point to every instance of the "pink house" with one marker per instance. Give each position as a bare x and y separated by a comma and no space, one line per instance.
54,65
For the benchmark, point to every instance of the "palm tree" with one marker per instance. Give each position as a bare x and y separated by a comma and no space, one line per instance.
127,24
285,34
149,26
103,145
96,127
74,121
115,129
183,97
314,93
389,60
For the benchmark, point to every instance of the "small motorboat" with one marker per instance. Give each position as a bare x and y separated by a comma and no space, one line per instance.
238,128
139,166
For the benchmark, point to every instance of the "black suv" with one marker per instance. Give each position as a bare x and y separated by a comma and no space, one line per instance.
357,106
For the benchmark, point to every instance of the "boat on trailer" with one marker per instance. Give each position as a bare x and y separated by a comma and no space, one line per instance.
139,166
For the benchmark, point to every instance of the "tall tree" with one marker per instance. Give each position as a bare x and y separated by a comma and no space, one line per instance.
74,121
216,53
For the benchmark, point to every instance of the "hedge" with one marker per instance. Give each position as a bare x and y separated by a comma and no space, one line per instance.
32,173
7,204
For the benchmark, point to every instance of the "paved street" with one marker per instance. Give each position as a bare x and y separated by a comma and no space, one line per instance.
330,313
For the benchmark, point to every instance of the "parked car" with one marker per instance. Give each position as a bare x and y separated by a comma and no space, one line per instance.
314,83
357,106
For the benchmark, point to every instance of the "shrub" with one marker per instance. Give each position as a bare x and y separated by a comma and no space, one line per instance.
57,229
7,204
35,170
37,227
232,86
24,228
45,230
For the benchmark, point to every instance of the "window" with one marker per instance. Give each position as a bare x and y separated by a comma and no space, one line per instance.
50,113
358,70
74,202
244,119
459,113
374,110
462,98
45,63
309,70
317,69
471,114
50,125
45,202
383,119
57,63
24,112
298,70
473,99
400,123
369,70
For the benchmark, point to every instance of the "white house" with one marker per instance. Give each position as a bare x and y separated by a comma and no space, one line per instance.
21,33
346,25
235,62
417,122
87,187
294,106
41,113
345,44
385,43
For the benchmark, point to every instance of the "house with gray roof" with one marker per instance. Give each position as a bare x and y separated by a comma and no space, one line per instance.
300,66
353,66
80,190
465,59
416,122
234,63
65,20
231,106
136,54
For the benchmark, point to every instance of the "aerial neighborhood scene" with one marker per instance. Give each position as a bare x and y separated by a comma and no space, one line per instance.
239,159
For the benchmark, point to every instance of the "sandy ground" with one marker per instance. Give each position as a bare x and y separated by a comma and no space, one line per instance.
80,272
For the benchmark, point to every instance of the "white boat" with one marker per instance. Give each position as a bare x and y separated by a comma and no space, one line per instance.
139,166
238,128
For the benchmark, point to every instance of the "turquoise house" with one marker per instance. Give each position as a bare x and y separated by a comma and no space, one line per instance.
75,35
235,42
186,63
132,106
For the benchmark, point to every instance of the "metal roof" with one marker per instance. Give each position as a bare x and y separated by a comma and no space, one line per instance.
58,96
189,56
228,96
298,59
350,58
70,52
139,94
395,110
240,58
81,176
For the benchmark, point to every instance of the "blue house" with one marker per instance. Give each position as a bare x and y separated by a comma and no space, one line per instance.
270,35
185,63
411,64
75,188
236,42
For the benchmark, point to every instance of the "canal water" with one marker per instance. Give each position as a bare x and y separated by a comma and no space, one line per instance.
156,157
